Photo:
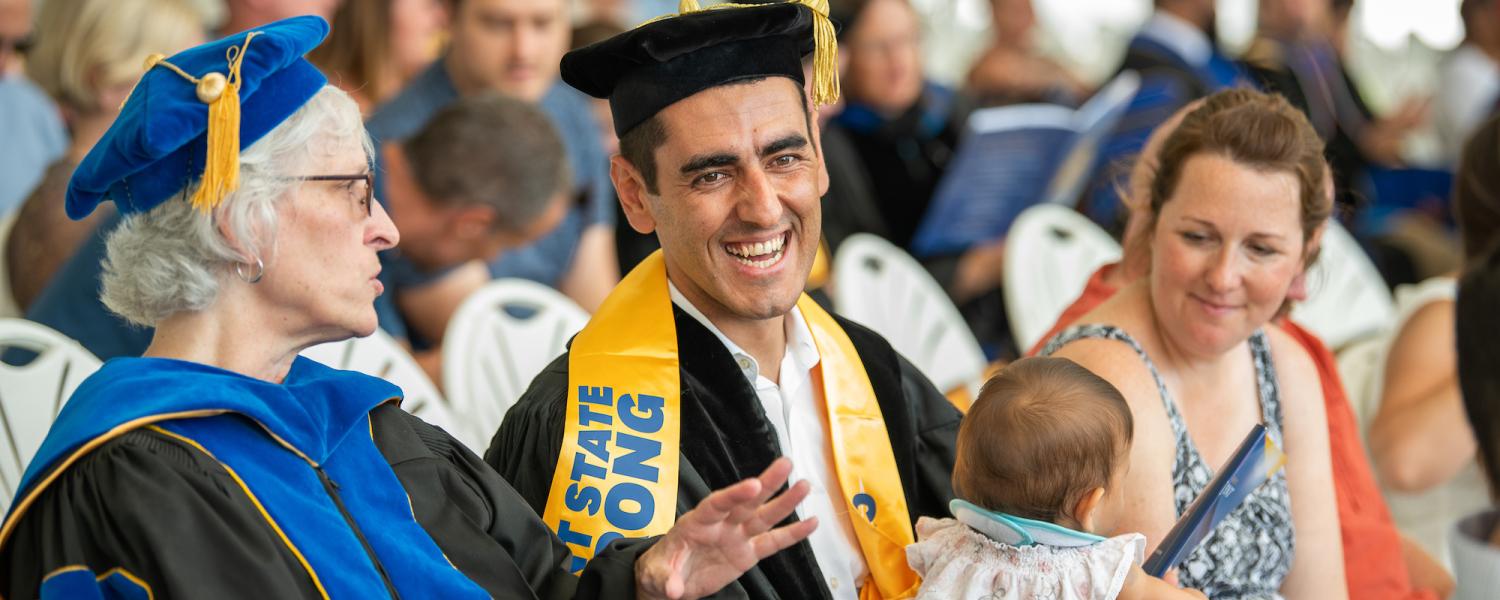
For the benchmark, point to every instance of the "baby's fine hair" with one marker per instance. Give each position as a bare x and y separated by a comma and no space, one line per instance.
1043,432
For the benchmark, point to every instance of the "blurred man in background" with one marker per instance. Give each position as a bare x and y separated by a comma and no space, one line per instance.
513,47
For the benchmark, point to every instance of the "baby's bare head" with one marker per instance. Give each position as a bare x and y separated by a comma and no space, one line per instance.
1043,433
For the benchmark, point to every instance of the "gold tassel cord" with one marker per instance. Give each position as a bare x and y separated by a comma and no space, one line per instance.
152,60
221,165
221,168
825,54
825,80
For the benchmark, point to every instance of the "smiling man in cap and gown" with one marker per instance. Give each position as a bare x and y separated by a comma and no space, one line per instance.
708,362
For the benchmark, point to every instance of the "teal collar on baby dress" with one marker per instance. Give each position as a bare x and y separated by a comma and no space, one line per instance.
1018,531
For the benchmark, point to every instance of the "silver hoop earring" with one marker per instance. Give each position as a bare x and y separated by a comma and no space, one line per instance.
260,271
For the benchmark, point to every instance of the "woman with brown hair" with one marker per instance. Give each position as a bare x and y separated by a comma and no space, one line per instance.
376,46
1237,207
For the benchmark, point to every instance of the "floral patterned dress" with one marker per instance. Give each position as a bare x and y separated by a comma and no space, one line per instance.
1250,552
958,563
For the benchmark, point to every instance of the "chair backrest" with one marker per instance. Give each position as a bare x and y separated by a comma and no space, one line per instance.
32,394
1362,370
379,355
500,338
1050,253
1347,298
881,287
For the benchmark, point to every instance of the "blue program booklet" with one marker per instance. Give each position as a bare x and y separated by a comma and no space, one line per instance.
1013,157
1257,458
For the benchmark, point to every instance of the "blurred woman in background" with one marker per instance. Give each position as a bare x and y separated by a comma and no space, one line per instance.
87,57
904,130
904,126
376,46
1013,71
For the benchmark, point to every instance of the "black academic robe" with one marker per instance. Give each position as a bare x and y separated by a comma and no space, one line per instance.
727,438
849,207
168,513
906,156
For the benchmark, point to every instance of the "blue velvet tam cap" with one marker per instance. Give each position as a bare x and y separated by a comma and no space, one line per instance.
160,142
653,66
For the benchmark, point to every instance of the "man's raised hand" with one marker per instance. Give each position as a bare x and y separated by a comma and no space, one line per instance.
724,536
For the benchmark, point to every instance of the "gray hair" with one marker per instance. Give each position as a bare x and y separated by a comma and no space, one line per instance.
174,258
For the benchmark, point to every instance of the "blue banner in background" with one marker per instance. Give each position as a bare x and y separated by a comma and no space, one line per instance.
1014,157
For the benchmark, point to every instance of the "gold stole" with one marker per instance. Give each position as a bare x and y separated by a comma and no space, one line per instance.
616,473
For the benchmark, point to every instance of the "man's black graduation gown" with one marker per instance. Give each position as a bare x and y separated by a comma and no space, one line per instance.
727,438
170,514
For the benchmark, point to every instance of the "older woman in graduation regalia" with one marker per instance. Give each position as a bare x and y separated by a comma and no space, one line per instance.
221,464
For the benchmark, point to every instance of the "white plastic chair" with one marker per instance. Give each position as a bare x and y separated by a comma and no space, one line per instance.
881,287
1347,298
1362,369
500,338
1050,252
379,355
31,395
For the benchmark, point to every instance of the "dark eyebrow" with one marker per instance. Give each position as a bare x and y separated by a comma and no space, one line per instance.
725,159
790,142
1258,234
709,161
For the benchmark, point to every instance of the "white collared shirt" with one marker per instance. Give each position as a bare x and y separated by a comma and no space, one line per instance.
797,414
1180,36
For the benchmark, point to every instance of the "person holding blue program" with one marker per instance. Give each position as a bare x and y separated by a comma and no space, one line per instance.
223,465
1234,217
1039,450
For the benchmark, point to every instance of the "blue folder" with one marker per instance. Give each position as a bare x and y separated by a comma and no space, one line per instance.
1256,459
1013,157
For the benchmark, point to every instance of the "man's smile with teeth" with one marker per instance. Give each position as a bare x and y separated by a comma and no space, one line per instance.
758,254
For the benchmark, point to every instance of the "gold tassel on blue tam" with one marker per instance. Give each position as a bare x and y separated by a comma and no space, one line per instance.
221,168
190,116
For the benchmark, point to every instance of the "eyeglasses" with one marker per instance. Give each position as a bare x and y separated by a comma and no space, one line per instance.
367,177
19,45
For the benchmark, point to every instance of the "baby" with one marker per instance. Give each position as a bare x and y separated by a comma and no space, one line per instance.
1039,450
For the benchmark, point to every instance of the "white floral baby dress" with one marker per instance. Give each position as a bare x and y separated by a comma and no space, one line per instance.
958,563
